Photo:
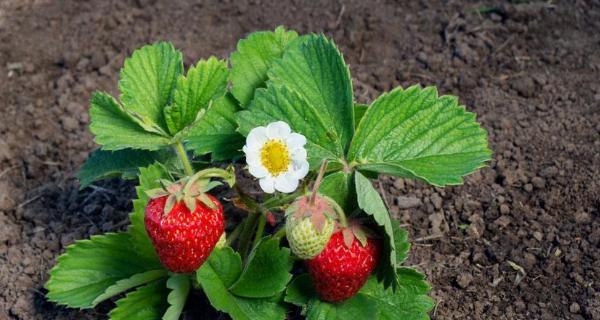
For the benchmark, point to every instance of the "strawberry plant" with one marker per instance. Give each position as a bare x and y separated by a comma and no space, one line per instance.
318,240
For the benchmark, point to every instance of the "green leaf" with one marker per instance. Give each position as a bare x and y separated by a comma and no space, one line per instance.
409,301
401,243
131,282
267,271
416,134
314,68
372,204
357,307
279,103
148,179
115,129
216,131
147,81
146,303
180,288
359,111
203,83
340,187
218,273
301,292
254,56
90,267
122,163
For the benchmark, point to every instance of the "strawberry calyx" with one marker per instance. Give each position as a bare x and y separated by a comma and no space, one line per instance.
316,206
354,230
192,189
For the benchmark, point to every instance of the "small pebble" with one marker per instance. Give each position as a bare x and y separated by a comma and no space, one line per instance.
464,280
408,202
504,209
538,182
574,307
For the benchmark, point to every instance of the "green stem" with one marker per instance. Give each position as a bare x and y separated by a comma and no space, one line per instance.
235,233
247,232
280,233
262,221
317,184
276,202
187,166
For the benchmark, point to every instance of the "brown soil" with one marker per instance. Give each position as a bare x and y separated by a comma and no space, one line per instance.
530,70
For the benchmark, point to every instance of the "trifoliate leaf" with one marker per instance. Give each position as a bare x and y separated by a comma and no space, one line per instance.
340,187
180,287
203,83
147,81
122,163
372,204
115,129
146,303
359,111
216,131
314,68
414,133
267,271
148,179
254,56
402,245
280,103
409,301
218,273
90,267
131,282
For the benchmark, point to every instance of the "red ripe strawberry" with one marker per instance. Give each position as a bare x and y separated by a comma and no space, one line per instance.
344,266
184,239
184,222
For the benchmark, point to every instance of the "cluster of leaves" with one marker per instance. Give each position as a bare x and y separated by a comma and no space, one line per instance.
278,75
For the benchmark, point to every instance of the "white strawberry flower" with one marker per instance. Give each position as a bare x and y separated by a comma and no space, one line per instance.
276,156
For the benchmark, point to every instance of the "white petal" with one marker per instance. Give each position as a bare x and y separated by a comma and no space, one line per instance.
278,130
301,169
266,184
286,182
295,141
253,158
299,154
258,171
256,138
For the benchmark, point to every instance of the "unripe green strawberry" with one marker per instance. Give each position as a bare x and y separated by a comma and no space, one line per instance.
309,225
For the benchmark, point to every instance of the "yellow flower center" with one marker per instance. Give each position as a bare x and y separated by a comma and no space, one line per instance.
275,157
